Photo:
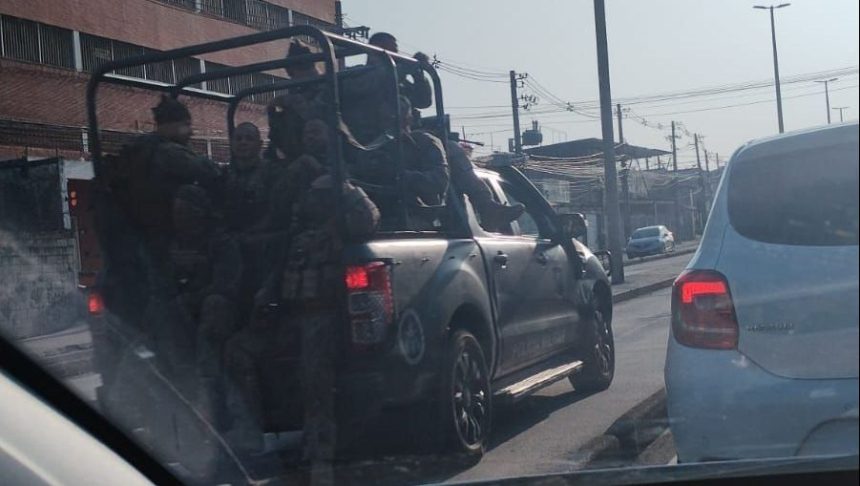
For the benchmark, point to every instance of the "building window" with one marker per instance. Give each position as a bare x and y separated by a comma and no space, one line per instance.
234,10
95,51
260,79
20,39
57,46
159,71
186,4
302,19
185,67
123,50
220,85
26,40
258,14
265,16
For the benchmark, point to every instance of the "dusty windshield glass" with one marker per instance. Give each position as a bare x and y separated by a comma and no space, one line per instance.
369,242
645,233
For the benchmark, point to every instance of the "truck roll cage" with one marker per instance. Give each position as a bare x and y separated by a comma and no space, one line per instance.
333,50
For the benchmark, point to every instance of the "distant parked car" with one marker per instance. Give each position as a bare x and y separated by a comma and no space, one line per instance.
650,240
762,357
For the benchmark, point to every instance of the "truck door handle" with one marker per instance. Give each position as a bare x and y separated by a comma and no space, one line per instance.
501,258
542,258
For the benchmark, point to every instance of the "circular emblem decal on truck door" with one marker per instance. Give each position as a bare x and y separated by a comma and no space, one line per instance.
410,337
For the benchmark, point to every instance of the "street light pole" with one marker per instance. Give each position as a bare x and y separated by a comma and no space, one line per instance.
827,94
775,62
613,212
841,109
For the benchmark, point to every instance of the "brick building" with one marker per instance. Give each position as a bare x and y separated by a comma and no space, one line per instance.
48,48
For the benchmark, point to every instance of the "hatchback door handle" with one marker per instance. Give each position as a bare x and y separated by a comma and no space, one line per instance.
501,258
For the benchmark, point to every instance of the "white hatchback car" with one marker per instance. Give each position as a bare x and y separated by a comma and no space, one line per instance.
763,353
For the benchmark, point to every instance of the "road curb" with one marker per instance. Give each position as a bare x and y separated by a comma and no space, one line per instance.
642,424
629,435
662,256
645,289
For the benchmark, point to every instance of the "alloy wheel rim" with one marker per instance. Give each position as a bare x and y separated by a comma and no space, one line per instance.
469,399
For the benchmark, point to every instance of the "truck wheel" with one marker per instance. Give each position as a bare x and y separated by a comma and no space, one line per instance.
597,351
467,399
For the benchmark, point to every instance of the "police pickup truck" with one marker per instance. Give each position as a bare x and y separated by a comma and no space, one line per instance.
445,322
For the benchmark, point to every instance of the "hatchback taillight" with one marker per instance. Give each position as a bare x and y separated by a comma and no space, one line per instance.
95,303
370,302
703,315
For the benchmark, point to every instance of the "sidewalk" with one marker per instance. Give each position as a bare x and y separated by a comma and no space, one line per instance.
66,353
680,249
649,276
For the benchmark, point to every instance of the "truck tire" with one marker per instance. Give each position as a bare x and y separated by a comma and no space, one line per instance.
465,404
597,351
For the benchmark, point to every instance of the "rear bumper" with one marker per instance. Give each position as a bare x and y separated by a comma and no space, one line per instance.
640,252
722,405
373,382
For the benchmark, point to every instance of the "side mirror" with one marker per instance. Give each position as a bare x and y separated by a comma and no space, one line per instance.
606,260
572,226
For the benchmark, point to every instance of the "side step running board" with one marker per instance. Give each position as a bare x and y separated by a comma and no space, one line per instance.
533,383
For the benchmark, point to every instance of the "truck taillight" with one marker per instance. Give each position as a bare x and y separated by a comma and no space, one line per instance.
703,315
370,302
95,303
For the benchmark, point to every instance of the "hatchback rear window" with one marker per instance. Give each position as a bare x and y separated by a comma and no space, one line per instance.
805,198
645,233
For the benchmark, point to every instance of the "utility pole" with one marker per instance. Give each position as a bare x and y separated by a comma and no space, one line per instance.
613,214
841,109
702,182
825,82
620,128
696,143
515,106
625,188
718,161
775,62
338,15
674,149
707,182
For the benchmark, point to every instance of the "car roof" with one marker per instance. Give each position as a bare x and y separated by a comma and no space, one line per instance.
656,226
799,139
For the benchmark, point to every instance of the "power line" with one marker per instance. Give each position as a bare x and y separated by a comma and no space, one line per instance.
723,107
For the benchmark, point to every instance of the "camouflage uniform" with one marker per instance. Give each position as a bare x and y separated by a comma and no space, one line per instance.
463,175
367,100
134,213
312,281
425,175
194,309
306,286
247,206
176,358
287,114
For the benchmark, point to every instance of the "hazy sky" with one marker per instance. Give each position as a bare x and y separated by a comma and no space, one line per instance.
655,47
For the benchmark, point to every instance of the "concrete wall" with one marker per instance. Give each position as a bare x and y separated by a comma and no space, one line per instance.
38,293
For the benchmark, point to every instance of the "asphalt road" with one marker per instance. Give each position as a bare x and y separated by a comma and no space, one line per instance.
542,433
